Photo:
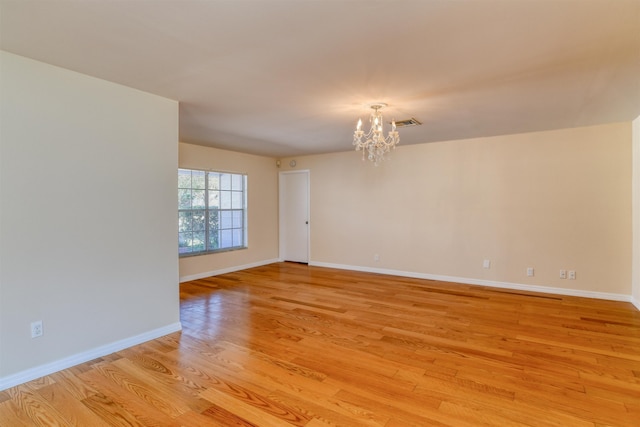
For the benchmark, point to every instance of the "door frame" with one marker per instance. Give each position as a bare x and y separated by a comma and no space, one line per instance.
307,172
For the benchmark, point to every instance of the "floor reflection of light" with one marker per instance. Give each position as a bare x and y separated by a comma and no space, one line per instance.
218,314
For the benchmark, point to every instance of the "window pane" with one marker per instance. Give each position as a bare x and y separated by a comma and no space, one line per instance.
237,237
225,199
238,221
225,219
197,180
198,221
184,178
214,181
184,242
198,199
226,239
198,241
184,199
225,181
213,240
214,199
213,220
236,199
236,182
184,221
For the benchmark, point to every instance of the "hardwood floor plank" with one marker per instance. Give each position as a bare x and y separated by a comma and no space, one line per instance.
598,349
69,406
122,399
330,411
225,418
73,384
399,412
254,409
12,415
111,412
519,411
145,387
479,415
36,407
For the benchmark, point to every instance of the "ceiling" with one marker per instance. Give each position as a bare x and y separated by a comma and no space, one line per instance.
292,77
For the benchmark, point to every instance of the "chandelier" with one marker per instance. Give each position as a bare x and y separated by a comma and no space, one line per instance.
373,143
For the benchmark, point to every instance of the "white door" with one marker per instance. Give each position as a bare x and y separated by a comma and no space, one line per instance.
294,216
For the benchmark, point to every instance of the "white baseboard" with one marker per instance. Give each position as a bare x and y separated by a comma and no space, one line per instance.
226,270
76,359
480,282
636,303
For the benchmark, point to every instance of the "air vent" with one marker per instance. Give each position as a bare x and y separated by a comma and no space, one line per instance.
408,122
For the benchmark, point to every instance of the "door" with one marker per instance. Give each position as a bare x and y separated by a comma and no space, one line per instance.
294,216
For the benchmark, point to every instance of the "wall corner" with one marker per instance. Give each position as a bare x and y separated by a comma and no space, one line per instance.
635,211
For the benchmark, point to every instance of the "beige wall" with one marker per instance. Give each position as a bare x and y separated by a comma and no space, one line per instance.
87,217
548,200
262,201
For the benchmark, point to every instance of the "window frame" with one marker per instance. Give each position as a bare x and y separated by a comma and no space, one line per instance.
221,186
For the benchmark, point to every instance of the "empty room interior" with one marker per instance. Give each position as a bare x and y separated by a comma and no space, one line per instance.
320,213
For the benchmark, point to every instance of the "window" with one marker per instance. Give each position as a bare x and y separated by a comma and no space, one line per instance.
212,211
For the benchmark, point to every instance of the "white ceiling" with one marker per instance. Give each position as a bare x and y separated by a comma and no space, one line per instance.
291,77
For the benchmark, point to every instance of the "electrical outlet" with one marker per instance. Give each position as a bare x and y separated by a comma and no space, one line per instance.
563,274
376,257
486,263
36,329
572,275
530,271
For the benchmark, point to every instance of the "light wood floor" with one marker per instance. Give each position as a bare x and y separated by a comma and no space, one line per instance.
292,345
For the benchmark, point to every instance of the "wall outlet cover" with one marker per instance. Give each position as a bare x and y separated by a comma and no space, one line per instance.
36,329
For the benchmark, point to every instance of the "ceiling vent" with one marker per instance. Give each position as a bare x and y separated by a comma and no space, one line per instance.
408,122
